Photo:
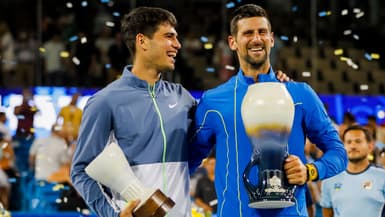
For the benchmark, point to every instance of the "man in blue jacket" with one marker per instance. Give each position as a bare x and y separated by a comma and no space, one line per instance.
218,120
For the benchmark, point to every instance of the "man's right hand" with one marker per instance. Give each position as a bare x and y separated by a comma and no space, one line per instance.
127,212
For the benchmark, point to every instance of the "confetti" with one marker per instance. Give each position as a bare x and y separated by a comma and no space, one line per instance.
230,5
338,52
107,66
84,3
69,5
344,59
110,24
73,38
375,56
295,39
284,38
116,14
64,54
294,8
104,1
208,46
83,40
324,13
344,12
368,56
356,10
348,32
76,61
42,49
210,69
204,39
355,36
306,74
364,87
228,67
359,15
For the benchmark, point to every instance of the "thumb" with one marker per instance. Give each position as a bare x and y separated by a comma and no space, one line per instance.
128,210
132,204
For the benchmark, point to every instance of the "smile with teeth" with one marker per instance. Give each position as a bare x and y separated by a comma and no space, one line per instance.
255,49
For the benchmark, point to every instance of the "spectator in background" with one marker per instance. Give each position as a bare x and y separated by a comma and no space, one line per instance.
26,52
348,120
83,52
205,195
7,156
360,190
25,133
5,189
48,155
381,158
103,43
7,56
69,118
53,62
118,57
7,164
6,161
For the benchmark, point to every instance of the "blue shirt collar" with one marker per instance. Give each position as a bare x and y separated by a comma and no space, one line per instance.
268,77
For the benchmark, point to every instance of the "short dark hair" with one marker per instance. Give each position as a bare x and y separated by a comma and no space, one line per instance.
145,20
246,11
367,133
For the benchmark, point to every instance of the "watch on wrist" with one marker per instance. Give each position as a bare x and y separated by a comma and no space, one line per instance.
312,173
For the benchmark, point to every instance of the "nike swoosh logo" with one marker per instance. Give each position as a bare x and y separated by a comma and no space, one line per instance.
172,105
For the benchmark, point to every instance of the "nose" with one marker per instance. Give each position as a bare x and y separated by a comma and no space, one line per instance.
177,44
256,37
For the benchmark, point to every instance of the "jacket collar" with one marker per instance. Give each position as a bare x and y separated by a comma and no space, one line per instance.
268,77
136,82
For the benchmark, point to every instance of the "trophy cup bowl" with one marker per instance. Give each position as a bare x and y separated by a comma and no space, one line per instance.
267,112
112,169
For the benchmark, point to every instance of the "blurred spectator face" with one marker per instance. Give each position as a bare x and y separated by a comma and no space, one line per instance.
210,165
381,159
357,146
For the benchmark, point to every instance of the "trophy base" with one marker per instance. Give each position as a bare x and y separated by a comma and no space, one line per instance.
156,206
271,204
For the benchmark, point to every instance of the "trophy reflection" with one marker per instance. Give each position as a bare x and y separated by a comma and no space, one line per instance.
111,169
267,113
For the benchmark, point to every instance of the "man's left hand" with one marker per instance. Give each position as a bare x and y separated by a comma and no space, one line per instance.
295,170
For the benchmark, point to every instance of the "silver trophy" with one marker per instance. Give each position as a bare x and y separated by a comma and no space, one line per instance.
267,113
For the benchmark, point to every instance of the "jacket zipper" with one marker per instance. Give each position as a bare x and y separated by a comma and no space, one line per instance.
151,90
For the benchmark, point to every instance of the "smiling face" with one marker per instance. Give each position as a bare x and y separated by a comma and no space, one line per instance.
162,48
253,42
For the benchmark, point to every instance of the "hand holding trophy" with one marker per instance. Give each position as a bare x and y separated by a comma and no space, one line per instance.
267,113
111,169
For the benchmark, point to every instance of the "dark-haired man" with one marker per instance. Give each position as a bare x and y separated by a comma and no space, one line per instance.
219,122
360,190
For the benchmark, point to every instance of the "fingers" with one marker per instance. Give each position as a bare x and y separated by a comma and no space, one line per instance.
131,205
282,76
295,170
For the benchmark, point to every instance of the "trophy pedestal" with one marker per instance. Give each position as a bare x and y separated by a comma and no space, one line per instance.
270,204
156,206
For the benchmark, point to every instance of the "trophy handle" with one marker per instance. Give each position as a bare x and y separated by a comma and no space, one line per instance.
246,181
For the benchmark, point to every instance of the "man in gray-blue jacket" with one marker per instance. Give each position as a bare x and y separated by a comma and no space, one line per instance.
148,116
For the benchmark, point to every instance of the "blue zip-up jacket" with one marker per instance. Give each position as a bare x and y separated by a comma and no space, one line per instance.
150,124
219,121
